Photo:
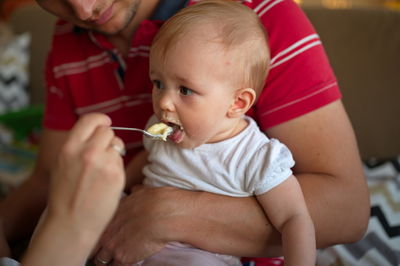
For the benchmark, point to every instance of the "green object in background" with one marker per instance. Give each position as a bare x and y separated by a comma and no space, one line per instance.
23,122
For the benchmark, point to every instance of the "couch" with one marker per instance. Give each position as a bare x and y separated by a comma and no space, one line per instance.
363,46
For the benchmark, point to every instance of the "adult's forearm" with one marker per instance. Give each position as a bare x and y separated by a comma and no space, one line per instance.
329,171
225,225
58,243
339,207
239,226
20,211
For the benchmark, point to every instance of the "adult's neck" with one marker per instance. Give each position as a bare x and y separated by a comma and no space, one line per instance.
123,39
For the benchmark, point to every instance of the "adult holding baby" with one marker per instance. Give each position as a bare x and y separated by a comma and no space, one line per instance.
102,65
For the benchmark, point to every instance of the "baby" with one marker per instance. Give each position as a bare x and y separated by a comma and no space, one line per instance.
208,63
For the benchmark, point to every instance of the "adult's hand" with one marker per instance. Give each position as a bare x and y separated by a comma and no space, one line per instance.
150,217
137,230
84,193
88,180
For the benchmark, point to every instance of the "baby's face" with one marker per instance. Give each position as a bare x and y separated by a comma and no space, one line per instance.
193,91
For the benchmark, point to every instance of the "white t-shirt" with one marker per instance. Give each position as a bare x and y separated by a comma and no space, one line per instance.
244,165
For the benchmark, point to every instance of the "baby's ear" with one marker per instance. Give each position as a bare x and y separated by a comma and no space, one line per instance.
243,100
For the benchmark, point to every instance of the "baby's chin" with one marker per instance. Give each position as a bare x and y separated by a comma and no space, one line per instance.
185,143
187,146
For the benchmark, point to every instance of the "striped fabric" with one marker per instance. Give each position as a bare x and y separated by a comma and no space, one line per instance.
381,244
14,76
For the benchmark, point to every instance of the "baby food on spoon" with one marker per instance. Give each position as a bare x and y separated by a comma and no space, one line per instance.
160,129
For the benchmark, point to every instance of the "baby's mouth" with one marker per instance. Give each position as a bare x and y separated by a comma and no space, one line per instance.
177,132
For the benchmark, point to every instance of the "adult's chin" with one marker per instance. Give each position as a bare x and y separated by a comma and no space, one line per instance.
120,20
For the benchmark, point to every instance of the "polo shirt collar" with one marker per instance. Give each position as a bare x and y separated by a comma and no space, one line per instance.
167,8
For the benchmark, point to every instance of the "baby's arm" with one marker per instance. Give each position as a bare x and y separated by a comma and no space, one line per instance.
285,207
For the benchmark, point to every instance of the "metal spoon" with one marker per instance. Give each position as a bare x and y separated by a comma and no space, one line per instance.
146,133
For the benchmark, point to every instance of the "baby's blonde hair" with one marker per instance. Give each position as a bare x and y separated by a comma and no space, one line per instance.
237,26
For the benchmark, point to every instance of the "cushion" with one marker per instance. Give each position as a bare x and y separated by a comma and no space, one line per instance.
381,243
14,78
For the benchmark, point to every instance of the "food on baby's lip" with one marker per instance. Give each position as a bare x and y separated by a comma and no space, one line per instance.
160,129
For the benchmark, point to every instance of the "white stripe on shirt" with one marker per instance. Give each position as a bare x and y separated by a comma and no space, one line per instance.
81,66
115,104
295,53
271,5
300,99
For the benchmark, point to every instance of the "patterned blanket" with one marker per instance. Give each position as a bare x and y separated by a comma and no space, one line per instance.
381,243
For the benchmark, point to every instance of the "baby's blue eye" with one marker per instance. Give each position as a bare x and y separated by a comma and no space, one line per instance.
185,91
158,84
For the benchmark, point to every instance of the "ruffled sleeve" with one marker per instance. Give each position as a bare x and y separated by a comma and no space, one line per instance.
270,166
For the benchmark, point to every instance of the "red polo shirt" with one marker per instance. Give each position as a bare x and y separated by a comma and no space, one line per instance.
85,73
